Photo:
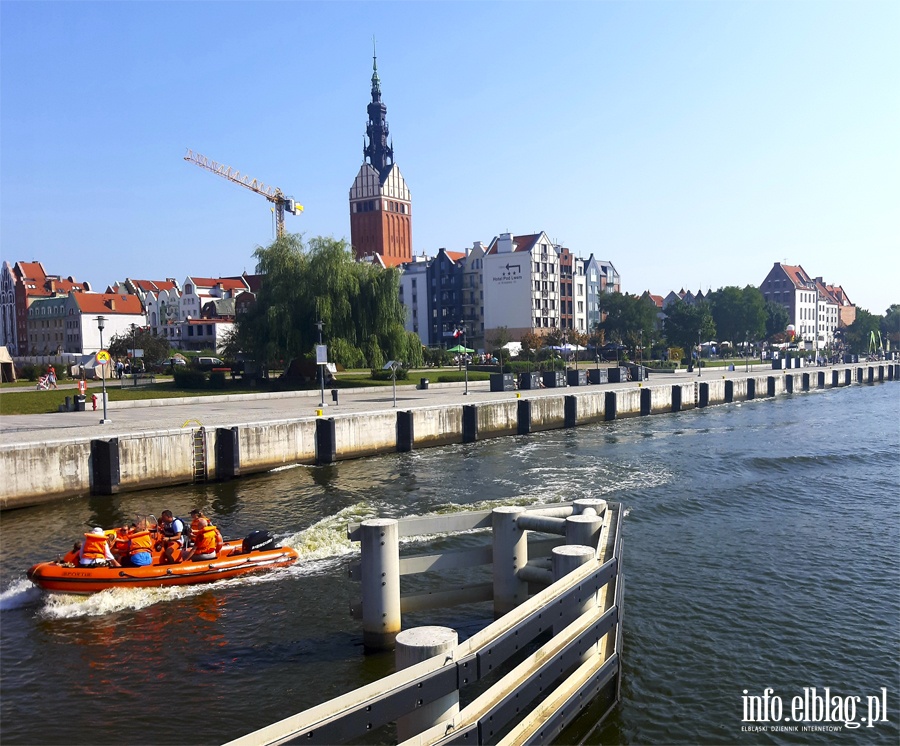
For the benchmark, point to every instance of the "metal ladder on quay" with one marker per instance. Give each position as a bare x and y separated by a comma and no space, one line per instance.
199,454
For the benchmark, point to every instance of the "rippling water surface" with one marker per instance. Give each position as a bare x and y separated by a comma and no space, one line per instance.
762,549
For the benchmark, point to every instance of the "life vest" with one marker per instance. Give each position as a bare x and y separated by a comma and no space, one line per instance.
207,541
120,543
197,525
168,530
94,546
140,542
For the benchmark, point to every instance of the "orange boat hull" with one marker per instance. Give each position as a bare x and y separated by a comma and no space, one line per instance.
57,577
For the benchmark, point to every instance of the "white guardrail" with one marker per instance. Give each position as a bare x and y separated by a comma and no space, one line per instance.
526,676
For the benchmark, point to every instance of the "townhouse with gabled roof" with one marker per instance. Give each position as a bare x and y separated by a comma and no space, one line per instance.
600,277
120,311
815,309
521,285
20,285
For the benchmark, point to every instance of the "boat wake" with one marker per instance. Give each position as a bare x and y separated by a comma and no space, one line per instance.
19,594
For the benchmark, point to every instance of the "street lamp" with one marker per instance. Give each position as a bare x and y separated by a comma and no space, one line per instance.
465,352
392,365
319,325
699,351
101,322
133,355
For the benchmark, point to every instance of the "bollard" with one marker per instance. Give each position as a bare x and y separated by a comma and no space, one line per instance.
523,417
405,432
105,475
326,441
228,453
676,398
565,560
510,545
703,398
470,423
609,406
646,401
414,646
585,504
380,575
570,407
584,529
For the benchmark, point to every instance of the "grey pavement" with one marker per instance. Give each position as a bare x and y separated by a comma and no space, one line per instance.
131,417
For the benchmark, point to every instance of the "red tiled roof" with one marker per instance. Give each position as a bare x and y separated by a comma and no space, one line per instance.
456,255
227,283
796,275
523,243
154,285
30,271
107,303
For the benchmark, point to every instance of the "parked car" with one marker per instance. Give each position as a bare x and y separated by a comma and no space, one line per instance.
208,363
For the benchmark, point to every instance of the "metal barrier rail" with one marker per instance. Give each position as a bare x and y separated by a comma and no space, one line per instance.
352,715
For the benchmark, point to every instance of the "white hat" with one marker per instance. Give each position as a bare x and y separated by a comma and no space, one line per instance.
97,530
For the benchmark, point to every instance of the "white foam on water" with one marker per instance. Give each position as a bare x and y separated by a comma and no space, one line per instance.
21,592
286,467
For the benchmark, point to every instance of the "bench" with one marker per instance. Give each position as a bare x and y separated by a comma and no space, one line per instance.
138,379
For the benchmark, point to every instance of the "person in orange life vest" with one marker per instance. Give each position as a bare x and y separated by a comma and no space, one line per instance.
140,545
120,541
95,551
173,531
198,522
207,544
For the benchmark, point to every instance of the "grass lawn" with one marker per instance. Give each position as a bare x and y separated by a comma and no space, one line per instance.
44,402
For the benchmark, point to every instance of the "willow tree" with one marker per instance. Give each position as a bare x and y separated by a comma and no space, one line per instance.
358,304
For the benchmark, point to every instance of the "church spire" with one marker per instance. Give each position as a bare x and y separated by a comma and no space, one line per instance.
379,153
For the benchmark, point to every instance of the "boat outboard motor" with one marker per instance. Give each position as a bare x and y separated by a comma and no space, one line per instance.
258,541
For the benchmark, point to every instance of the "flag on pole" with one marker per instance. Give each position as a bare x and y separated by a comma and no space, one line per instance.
457,333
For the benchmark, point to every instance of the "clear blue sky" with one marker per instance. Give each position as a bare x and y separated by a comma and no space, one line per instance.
693,144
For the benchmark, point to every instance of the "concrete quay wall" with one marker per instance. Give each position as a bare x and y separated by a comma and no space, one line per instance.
36,473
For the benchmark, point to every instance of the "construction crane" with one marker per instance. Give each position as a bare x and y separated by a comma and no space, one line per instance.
273,194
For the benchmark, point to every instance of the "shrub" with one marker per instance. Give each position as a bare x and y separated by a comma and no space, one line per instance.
387,375
217,379
29,371
189,378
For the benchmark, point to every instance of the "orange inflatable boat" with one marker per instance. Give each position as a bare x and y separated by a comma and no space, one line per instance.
256,553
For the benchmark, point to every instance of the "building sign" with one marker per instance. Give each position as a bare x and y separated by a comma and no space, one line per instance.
507,274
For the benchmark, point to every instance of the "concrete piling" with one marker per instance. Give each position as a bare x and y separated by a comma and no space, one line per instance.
510,544
380,575
414,646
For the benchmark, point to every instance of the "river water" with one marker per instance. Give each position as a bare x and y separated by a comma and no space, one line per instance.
762,550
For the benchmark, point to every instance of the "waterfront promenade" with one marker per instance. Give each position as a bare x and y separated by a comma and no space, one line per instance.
132,417
177,441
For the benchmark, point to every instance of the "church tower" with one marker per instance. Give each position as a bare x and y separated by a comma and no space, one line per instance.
380,206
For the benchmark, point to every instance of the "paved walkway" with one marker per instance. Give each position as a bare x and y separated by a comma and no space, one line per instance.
129,417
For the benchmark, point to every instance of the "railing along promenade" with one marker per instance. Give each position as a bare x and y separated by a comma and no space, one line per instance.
103,465
525,677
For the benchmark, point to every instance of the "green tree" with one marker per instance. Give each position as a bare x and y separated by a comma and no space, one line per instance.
777,319
629,319
499,338
857,335
687,325
155,349
739,314
890,325
357,303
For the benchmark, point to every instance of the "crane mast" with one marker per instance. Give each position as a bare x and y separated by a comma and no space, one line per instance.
273,194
